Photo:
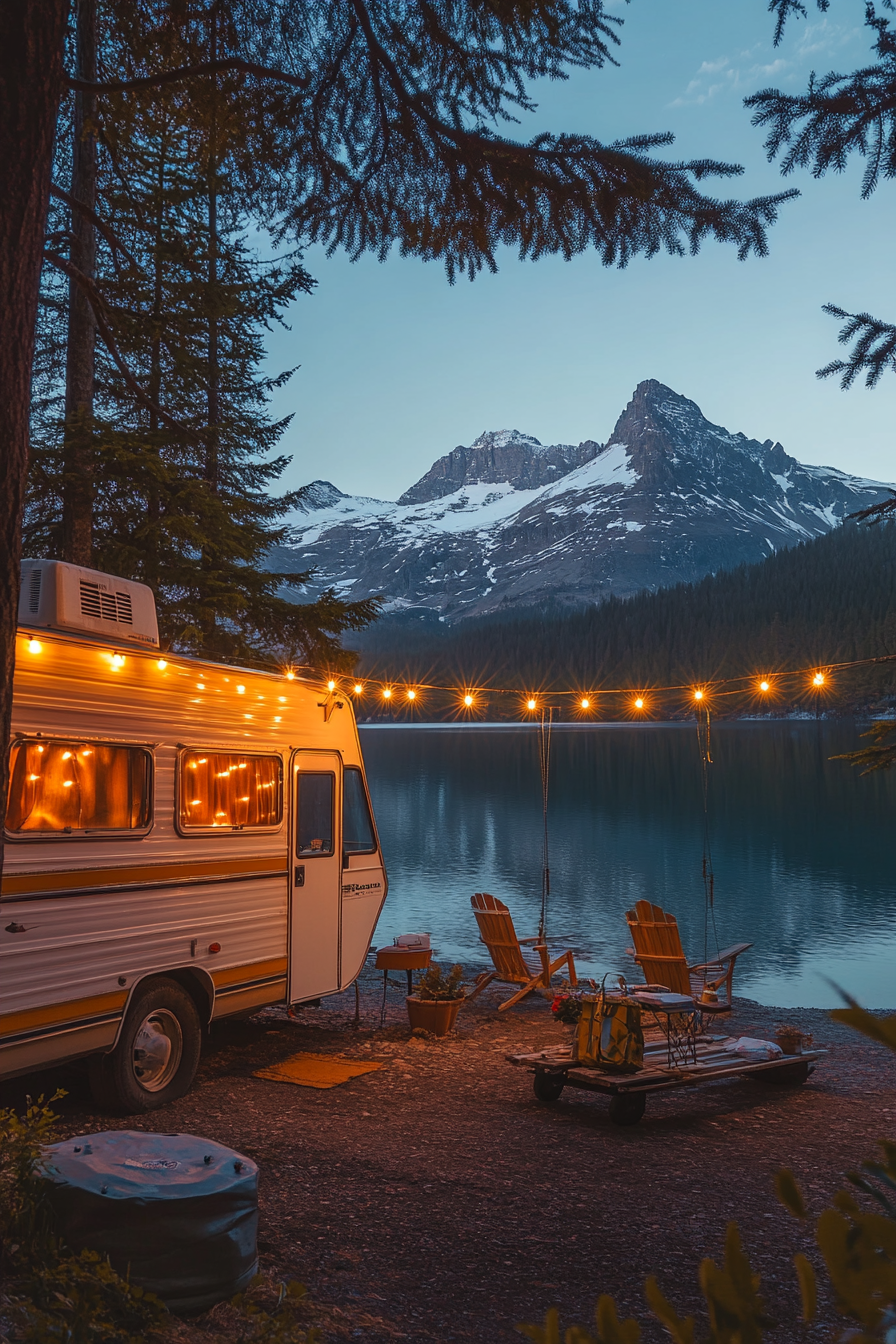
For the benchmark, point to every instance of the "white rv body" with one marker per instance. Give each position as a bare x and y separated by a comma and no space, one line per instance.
237,914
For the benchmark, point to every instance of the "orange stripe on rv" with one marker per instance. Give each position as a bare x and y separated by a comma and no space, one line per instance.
258,970
58,1014
80,879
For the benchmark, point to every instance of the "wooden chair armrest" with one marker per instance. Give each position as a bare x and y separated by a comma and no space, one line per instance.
728,955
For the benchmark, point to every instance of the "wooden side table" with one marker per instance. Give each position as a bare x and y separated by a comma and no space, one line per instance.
400,959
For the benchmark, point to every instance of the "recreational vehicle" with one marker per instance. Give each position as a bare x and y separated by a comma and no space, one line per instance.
184,841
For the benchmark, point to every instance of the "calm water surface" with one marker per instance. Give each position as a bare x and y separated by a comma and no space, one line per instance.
802,846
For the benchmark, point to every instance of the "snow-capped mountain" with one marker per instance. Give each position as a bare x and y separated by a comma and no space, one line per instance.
509,521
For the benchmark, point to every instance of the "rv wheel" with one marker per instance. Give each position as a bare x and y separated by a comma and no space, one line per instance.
157,1054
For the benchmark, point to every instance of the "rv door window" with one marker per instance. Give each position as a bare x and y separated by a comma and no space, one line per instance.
78,786
229,789
314,833
357,825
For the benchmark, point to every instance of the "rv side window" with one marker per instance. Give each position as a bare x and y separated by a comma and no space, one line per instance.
78,786
229,789
357,826
314,825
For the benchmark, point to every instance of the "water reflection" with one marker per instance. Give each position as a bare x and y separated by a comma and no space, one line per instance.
801,845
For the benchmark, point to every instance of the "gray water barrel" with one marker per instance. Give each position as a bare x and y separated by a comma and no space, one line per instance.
174,1213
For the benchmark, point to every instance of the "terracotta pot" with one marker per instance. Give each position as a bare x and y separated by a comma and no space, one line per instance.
790,1040
435,1015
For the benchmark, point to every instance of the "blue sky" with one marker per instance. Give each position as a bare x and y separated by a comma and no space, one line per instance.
398,367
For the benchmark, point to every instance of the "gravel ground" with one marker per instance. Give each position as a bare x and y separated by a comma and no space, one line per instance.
437,1200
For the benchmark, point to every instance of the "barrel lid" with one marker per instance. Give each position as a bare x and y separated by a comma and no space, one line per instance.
129,1164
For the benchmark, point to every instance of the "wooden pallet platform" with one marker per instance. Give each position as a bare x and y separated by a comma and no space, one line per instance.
555,1069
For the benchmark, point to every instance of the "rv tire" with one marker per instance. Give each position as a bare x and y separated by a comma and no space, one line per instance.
157,1054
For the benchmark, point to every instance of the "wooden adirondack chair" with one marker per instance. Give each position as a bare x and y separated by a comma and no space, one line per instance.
513,966
658,951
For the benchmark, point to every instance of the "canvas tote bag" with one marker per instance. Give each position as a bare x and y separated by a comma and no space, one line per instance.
609,1034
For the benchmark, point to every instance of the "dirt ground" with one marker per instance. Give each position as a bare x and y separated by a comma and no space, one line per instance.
437,1200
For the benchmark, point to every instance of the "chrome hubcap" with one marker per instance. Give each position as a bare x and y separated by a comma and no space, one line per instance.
158,1047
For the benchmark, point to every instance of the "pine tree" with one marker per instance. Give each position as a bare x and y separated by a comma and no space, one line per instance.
181,481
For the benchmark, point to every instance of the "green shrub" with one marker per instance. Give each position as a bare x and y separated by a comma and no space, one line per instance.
857,1245
433,984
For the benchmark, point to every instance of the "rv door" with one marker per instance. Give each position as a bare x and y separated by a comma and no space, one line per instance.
315,926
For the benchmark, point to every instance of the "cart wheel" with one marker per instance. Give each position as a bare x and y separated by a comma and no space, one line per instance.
548,1086
626,1108
792,1075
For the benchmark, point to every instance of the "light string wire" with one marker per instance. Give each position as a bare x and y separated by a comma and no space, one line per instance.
770,685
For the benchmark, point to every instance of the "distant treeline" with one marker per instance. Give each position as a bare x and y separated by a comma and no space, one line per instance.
825,601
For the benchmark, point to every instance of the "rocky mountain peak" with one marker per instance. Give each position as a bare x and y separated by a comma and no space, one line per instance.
670,498
499,457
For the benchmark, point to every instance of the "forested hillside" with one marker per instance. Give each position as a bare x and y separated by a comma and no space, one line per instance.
825,601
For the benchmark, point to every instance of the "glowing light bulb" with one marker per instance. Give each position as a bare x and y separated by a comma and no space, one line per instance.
639,703
531,704
698,695
331,685
586,703
290,676
387,694
241,690
66,755
358,688
161,664
818,679
468,700
34,646
764,686
117,660
412,695
67,783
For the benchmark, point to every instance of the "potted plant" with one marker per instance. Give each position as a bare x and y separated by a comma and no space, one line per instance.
437,999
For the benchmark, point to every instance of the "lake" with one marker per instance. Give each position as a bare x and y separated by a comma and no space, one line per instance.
802,846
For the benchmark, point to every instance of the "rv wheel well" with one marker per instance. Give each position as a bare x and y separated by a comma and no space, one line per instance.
199,989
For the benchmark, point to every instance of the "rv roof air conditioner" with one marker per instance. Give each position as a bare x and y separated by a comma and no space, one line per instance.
58,596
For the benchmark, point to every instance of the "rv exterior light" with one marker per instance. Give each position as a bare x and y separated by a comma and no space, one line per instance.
698,695
34,646
161,664
358,688
412,695
818,679
331,685
764,686
118,660
639,703
586,703
531,704
387,694
468,700
290,676
241,690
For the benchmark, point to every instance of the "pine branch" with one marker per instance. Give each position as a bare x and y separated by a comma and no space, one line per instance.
187,72
880,756
96,302
874,350
837,116
102,228
785,8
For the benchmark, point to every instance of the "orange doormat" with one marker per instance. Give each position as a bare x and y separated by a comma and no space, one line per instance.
308,1070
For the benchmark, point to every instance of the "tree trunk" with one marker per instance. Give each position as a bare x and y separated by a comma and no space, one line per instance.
78,464
31,51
